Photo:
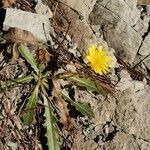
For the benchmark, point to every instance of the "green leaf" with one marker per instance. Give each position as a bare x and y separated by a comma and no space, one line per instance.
5,84
52,133
88,84
81,107
47,74
25,52
14,82
23,79
44,81
30,107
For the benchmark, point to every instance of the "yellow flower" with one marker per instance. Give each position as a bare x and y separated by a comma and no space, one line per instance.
99,60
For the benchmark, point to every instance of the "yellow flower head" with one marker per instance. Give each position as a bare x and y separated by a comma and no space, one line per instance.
99,60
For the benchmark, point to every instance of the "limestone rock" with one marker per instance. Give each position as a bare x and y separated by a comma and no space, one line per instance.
128,12
132,109
124,10
79,30
117,19
28,21
121,123
125,40
103,109
83,7
125,78
143,2
145,48
132,113
145,51
43,9
142,26
82,34
147,62
126,142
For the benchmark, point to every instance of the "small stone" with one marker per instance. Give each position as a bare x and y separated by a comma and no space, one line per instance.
125,82
138,85
12,145
142,26
71,67
145,48
147,62
83,7
43,9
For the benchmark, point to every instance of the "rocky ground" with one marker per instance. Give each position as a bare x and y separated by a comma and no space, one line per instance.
121,122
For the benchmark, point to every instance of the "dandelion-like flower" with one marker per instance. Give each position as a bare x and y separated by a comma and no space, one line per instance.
99,60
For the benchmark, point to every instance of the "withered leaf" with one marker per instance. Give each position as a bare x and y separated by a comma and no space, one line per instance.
42,55
62,109
16,35
7,3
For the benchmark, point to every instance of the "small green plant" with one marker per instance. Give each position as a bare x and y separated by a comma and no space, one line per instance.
40,81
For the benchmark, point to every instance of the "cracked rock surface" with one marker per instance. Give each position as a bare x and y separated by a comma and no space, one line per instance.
121,123
124,28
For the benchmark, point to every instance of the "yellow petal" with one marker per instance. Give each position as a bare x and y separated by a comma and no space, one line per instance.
99,60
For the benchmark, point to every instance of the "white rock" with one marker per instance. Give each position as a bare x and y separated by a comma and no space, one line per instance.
83,7
71,67
37,24
125,82
138,85
126,11
43,9
147,62
117,18
145,49
142,25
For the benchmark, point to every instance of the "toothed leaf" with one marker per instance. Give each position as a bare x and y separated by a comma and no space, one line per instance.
25,52
81,107
10,83
30,107
22,80
87,83
52,132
